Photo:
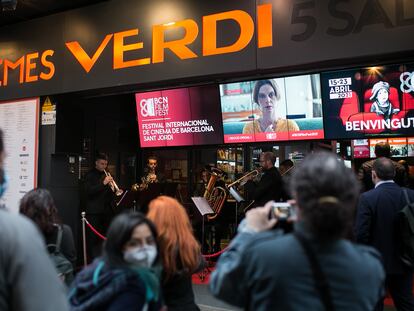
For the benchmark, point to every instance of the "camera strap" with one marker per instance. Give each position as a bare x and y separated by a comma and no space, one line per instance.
321,283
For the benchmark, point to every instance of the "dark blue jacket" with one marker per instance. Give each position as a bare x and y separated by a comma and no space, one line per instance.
375,222
102,288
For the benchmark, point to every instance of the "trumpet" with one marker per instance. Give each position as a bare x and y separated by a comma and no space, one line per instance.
150,178
242,180
114,186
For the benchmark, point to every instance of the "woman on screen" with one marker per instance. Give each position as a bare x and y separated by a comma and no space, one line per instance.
381,104
266,94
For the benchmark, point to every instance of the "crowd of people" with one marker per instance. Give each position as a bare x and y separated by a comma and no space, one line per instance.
343,253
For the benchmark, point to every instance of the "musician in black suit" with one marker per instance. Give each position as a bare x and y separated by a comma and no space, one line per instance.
376,226
270,185
99,201
151,173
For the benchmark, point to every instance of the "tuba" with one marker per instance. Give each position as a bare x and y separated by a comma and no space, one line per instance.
215,196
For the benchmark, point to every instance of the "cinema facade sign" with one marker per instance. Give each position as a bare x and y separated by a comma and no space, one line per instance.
130,43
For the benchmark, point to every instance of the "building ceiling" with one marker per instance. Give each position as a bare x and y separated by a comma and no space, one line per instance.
29,9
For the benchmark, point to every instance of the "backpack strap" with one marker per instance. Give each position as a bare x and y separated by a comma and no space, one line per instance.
409,205
407,198
58,239
321,283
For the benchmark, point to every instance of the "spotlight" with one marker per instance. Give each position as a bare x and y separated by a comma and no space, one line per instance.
8,5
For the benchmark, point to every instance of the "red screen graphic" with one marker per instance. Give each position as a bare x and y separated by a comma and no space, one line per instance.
179,117
361,148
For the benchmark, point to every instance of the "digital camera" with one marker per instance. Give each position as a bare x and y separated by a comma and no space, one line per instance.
281,210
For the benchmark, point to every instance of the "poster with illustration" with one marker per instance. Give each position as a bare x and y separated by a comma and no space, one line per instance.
368,102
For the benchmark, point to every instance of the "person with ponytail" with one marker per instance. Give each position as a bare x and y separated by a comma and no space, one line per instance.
179,250
314,267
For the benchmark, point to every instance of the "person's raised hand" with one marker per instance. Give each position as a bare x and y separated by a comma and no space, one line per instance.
257,219
107,180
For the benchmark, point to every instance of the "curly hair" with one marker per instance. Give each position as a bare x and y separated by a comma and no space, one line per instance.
39,206
326,192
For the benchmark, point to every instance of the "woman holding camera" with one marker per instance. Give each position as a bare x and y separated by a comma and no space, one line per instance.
314,268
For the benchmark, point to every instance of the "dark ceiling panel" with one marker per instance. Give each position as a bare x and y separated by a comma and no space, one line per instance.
30,9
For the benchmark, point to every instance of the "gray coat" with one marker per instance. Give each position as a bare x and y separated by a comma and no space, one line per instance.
270,271
28,279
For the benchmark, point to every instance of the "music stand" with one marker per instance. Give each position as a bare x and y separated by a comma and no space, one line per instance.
170,189
204,208
128,200
239,198
147,195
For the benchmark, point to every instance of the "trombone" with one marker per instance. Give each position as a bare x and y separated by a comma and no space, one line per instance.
114,186
242,180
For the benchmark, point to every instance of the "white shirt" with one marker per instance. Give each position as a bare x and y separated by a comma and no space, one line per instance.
383,182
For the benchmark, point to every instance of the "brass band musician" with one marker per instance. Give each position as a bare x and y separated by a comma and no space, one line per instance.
99,199
270,185
151,175
286,169
202,183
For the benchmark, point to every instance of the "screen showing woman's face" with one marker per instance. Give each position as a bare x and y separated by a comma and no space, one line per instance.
266,99
382,96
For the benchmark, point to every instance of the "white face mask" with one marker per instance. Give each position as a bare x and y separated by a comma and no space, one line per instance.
141,256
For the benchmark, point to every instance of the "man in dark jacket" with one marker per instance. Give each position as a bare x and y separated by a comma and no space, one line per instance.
382,149
376,226
270,185
99,200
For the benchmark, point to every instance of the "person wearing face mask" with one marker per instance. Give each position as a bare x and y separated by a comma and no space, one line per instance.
266,93
179,250
124,278
28,280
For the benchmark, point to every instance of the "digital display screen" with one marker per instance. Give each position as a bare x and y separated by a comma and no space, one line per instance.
179,117
272,109
374,101
410,146
361,148
372,143
398,147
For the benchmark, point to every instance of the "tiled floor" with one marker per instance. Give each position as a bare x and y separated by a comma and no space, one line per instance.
207,302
